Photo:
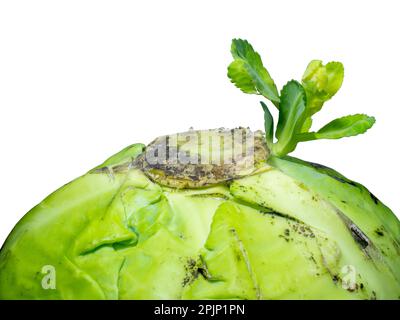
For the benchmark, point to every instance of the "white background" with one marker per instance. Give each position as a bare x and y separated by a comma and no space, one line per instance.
80,80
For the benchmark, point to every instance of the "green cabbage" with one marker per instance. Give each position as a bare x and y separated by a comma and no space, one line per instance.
275,228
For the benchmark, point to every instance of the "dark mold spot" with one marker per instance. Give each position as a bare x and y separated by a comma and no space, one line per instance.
238,256
335,278
302,230
313,260
192,272
332,173
318,166
352,289
283,237
210,195
375,199
359,236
